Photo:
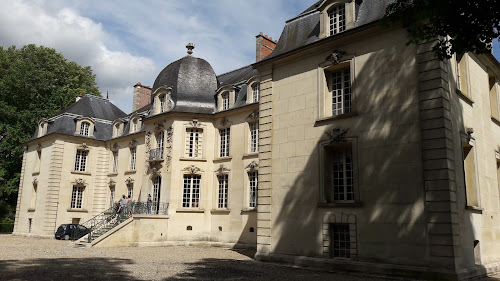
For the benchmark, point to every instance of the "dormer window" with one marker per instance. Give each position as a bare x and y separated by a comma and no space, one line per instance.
42,128
225,101
162,100
162,103
135,125
255,92
84,128
336,17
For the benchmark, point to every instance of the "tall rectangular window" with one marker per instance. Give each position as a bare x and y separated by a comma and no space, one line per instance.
133,157
340,246
223,191
130,189
77,197
81,160
254,137
254,185
156,194
162,103
191,191
471,188
115,162
111,197
225,101
224,142
256,92
339,173
193,143
84,128
340,87
336,15
160,138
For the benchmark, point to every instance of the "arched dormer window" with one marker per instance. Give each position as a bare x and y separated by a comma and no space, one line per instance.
336,16
225,101
135,124
85,126
117,128
225,97
42,127
253,93
162,101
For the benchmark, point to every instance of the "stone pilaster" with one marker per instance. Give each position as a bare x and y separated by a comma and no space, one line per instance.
438,159
101,187
20,192
264,199
53,187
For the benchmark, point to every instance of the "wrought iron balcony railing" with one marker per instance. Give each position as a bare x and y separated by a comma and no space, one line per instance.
156,154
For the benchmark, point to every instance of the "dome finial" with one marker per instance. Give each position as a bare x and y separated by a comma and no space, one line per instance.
190,48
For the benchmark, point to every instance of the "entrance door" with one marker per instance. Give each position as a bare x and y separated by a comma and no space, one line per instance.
156,194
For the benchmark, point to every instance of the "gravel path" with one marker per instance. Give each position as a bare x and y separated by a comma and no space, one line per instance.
24,258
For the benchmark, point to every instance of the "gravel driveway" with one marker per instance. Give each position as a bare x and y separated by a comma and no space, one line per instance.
24,258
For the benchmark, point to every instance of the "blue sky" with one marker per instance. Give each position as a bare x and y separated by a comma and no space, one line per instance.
126,42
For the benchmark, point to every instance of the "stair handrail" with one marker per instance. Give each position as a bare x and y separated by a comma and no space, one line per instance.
100,219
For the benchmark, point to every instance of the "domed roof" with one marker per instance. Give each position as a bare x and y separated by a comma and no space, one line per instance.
193,82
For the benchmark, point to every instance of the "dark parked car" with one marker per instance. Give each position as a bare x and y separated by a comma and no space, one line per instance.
71,231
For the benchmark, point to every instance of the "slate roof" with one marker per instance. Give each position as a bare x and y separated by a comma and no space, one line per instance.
95,107
304,29
237,78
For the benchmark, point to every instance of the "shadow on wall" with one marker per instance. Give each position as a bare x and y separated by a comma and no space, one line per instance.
65,269
392,221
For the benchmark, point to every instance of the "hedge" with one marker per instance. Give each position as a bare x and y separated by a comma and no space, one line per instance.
6,227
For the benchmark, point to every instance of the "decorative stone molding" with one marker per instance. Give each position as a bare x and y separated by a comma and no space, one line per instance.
129,181
195,123
224,122
254,116
192,169
254,166
80,182
112,182
38,147
115,147
155,172
335,57
132,144
169,146
83,146
35,181
497,154
158,127
337,135
222,170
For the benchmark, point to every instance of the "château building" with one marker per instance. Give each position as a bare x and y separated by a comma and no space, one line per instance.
340,148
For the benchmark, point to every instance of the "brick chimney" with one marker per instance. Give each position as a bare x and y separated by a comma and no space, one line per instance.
142,96
264,46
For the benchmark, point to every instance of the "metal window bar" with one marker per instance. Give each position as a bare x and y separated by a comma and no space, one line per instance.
223,191
340,240
254,182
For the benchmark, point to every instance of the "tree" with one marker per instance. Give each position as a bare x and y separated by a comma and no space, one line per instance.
35,82
459,25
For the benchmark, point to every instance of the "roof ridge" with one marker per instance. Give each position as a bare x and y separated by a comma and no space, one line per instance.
235,70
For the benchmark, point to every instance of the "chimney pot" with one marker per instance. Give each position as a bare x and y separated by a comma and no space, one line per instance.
261,33
275,41
265,36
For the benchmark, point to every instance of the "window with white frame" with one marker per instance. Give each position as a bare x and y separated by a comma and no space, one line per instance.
255,92
224,142
339,84
340,240
160,138
115,161
225,101
84,128
163,104
337,19
130,190
117,130
112,196
135,125
254,137
81,160
253,178
191,191
77,197
194,143
33,196
156,194
223,191
133,157
339,173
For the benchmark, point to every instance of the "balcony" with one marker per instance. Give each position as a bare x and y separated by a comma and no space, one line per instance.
156,155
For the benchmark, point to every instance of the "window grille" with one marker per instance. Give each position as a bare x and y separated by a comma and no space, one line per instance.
223,191
76,197
336,16
191,192
256,92
340,240
340,85
84,128
133,157
224,142
254,137
225,101
81,160
343,175
254,183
